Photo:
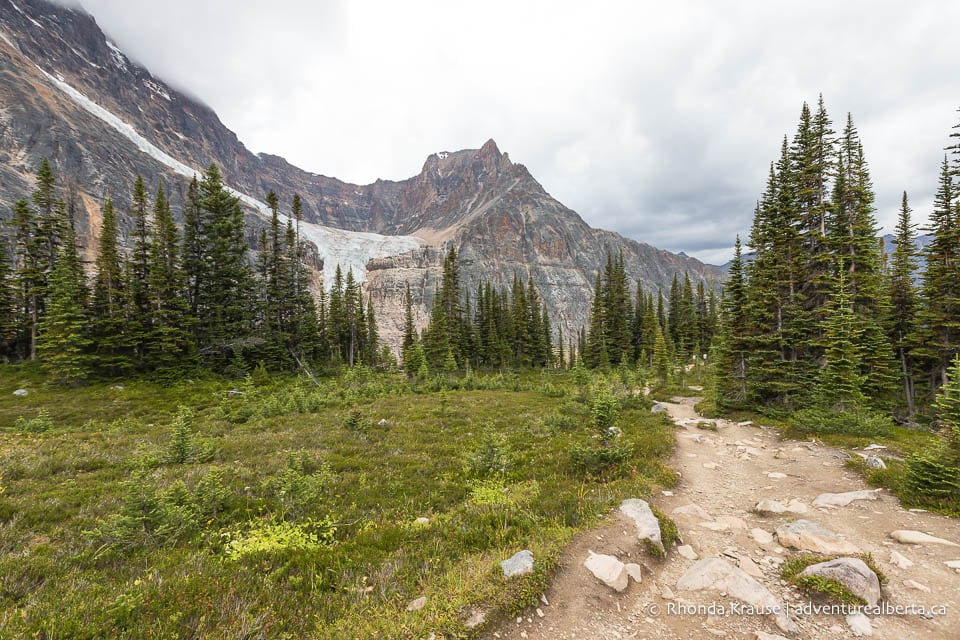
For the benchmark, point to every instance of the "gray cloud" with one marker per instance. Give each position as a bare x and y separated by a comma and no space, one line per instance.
652,120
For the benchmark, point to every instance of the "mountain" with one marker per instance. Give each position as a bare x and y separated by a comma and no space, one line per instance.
69,93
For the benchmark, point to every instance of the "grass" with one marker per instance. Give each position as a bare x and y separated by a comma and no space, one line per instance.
298,519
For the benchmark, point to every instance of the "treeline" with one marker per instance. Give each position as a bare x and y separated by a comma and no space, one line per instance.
494,329
821,317
654,333
176,300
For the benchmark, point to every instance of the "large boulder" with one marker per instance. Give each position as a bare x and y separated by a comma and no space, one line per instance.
853,573
715,574
809,536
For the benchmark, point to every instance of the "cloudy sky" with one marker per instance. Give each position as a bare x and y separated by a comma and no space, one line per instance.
654,119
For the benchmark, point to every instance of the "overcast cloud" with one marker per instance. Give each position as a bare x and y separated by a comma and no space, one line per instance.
656,120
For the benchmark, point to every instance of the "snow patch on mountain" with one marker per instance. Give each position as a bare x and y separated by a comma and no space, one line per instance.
350,249
23,13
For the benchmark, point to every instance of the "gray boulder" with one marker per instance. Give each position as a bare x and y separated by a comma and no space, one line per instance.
21,393
648,527
852,573
809,536
658,408
519,564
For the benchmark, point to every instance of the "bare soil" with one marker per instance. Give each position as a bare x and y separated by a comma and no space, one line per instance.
738,459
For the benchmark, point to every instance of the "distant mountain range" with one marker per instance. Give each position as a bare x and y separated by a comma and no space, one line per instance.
69,93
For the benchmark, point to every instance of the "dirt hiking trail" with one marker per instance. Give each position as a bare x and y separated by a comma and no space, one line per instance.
724,474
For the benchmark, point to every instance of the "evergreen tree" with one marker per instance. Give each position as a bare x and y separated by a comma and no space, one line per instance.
903,301
372,338
733,347
63,340
29,274
195,250
139,276
170,346
409,333
840,387
595,353
110,330
8,317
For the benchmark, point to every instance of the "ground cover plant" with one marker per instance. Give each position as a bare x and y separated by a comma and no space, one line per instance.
213,508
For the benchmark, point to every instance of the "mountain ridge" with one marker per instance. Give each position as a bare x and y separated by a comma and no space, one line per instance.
490,208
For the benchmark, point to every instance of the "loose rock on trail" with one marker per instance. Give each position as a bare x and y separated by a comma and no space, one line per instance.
724,476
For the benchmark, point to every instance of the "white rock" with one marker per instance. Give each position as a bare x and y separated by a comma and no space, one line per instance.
519,564
633,570
687,552
770,506
912,584
761,537
417,604
872,447
953,564
667,593
853,573
873,462
776,475
859,624
476,618
667,494
421,521
900,560
844,499
20,393
796,506
763,635
715,574
608,570
809,536
540,613
907,536
711,465
745,423
648,527
694,510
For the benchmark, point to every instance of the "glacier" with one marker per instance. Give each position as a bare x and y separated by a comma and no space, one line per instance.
349,249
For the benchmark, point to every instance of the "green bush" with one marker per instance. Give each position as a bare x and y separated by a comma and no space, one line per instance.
356,421
855,422
39,424
491,455
277,537
301,487
185,446
605,461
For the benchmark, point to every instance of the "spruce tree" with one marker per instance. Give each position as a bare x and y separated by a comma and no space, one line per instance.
110,329
139,276
8,315
903,303
733,347
63,342
29,274
840,385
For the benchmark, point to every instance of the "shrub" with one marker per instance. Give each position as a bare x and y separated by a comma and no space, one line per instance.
856,422
603,461
277,537
39,424
300,488
355,421
184,445
491,455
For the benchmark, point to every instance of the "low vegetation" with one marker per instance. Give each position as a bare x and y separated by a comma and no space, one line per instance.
792,571
279,508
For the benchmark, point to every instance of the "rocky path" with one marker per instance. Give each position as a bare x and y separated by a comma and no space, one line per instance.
724,475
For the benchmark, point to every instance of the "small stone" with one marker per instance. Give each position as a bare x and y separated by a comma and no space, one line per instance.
745,423
769,506
118,387
687,552
633,570
912,584
667,494
711,465
543,599
519,564
900,560
761,537
859,624
658,408
608,570
540,613
796,506
872,447
667,593
20,393
763,635
382,423
421,521
953,564
906,536
873,462
417,604
776,475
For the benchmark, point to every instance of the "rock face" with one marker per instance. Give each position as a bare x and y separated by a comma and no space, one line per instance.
853,573
491,209
715,574
809,536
